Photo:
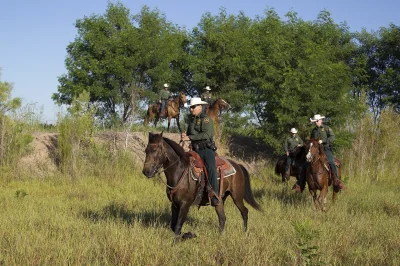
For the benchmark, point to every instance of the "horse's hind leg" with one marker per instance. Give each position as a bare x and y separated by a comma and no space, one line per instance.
243,210
221,216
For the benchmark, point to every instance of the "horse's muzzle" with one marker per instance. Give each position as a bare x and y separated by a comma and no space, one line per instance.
149,172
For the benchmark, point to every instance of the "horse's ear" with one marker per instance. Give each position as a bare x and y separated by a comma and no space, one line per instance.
161,133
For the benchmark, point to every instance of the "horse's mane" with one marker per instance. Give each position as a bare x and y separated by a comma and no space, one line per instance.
178,149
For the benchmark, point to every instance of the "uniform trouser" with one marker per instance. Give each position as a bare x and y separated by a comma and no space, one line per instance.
162,106
208,157
289,160
331,160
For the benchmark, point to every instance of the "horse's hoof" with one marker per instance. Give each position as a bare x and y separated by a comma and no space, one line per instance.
188,235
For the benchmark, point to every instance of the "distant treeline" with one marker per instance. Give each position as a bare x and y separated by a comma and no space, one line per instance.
277,72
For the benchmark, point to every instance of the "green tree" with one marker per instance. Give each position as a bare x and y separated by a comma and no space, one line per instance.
306,72
222,56
382,66
117,57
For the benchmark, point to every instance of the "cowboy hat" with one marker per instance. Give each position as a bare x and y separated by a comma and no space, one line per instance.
207,88
293,130
196,101
316,118
166,85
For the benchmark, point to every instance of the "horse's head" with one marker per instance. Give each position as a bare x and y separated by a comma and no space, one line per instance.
155,155
314,150
182,98
223,105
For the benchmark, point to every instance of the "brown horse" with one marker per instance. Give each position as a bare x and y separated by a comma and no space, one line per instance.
173,108
299,159
318,175
181,187
216,108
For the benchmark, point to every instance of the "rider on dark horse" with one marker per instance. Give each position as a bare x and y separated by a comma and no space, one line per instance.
207,97
326,138
200,132
292,142
163,97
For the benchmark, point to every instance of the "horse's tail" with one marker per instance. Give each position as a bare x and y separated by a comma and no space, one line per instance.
248,194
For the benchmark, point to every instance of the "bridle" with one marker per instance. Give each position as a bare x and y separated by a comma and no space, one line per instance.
161,170
310,157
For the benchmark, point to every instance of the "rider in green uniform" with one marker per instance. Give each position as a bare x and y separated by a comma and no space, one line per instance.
163,97
200,132
292,142
326,138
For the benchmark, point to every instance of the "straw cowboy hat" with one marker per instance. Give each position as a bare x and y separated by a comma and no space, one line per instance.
166,85
208,88
293,130
316,118
195,101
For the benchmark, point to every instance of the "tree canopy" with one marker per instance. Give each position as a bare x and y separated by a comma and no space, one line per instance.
276,72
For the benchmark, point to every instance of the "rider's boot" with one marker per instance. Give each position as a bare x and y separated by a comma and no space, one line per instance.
336,179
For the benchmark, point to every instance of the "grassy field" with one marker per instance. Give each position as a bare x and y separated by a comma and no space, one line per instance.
122,218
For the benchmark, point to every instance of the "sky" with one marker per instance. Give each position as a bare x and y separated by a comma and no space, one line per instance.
35,33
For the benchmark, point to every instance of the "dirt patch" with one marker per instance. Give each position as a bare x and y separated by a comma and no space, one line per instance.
44,158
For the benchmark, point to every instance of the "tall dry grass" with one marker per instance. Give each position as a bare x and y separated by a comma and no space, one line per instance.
113,215
375,152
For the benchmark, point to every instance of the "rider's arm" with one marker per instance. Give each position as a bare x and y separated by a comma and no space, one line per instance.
330,136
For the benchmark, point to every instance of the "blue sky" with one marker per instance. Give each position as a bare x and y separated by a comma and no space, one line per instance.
35,33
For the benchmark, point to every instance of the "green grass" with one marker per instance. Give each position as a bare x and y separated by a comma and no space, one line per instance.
123,219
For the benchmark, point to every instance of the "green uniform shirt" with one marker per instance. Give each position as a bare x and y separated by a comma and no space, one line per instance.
164,94
207,97
292,142
200,128
325,133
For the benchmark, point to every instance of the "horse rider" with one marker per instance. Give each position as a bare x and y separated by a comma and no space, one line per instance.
207,97
292,142
326,138
200,132
163,97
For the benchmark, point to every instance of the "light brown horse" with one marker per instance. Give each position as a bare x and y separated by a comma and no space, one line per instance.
216,108
172,107
163,153
318,175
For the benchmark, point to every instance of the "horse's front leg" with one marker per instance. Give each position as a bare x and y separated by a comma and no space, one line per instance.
182,212
174,218
177,122
314,197
322,196
169,122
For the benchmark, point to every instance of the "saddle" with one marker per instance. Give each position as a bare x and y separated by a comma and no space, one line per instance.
199,173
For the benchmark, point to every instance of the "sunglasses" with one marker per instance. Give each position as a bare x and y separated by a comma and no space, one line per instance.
193,106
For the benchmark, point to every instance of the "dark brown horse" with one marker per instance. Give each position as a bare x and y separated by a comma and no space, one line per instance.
181,187
172,107
216,108
299,159
318,175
